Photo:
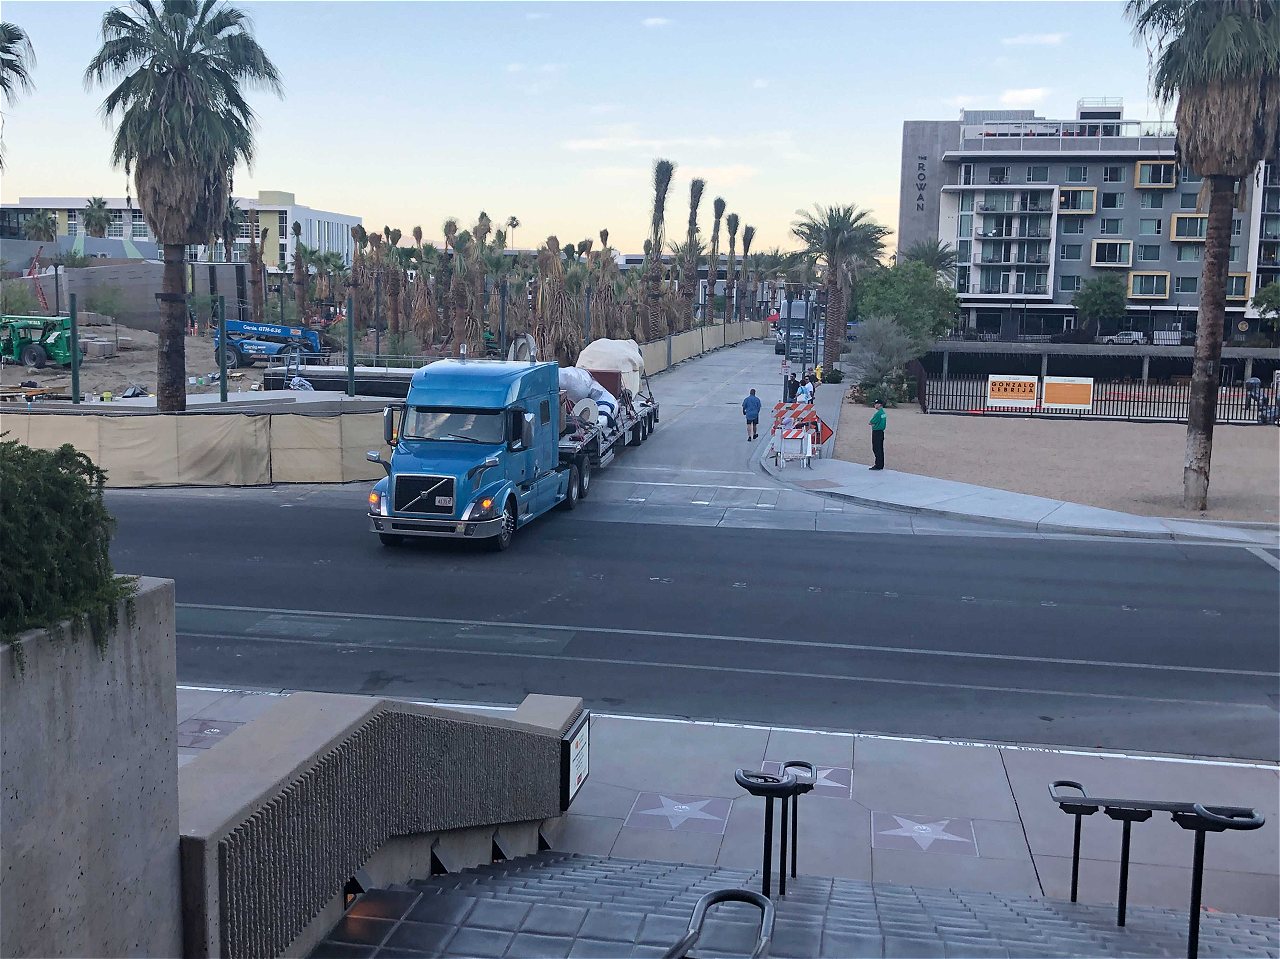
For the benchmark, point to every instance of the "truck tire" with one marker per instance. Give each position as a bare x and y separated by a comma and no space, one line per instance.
390,539
33,354
574,490
503,540
653,422
633,438
644,428
584,477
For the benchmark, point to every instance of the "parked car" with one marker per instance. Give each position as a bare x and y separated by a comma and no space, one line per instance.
1126,337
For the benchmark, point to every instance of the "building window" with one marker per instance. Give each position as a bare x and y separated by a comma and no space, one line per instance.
1070,251
964,251
1236,226
1068,284
1186,284
1234,254
1148,251
140,231
1113,201
1112,252
1077,174
1072,226
1156,173
966,174
1113,174
1151,227
116,228
962,279
1189,226
1190,252
998,174
73,223
1151,201
1189,176
1187,201
1112,227
966,202
1149,284
1077,200
1038,174
965,224
1238,286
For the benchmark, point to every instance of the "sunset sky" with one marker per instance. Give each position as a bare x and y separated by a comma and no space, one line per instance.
407,113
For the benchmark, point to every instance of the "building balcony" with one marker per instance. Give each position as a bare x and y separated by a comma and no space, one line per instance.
1033,258
1034,235
998,260
1048,136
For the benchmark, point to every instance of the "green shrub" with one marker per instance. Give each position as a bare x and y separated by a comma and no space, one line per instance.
106,300
832,376
18,299
57,533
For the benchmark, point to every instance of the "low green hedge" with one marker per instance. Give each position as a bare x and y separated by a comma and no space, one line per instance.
57,536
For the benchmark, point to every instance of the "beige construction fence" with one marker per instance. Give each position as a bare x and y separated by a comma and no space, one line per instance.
231,448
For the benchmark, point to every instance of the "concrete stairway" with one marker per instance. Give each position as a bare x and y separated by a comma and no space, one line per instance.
557,905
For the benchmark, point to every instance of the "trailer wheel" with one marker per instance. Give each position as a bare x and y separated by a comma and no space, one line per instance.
633,438
390,539
33,354
508,532
653,422
574,490
584,476
644,428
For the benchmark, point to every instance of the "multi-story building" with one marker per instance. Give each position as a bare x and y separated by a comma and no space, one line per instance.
1035,208
277,212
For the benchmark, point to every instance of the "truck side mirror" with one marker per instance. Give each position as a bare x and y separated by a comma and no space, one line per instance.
526,431
389,434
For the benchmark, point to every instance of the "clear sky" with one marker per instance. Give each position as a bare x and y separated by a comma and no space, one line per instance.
406,113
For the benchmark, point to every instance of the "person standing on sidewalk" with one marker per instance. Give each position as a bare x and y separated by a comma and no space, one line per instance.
751,410
792,385
877,434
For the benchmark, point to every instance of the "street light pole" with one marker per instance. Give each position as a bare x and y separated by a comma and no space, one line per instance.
222,349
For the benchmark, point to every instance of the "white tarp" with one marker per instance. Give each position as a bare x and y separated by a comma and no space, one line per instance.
623,356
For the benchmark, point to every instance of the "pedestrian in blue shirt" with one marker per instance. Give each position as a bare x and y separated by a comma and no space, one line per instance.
751,410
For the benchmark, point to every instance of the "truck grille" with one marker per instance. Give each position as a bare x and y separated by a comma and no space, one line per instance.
422,494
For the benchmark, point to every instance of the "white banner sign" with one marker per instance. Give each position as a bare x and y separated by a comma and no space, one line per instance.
1010,391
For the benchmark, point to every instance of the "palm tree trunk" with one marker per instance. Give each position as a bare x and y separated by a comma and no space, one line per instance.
227,245
834,334
1203,409
171,348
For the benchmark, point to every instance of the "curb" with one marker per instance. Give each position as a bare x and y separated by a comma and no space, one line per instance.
1040,526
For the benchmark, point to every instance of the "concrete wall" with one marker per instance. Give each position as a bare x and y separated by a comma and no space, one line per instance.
661,354
89,862
286,809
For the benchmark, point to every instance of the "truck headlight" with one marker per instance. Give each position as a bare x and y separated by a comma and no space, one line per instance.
375,503
483,508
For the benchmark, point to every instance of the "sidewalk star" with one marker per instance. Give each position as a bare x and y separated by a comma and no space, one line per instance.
925,834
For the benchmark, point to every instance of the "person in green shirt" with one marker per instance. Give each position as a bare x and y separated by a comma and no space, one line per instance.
877,434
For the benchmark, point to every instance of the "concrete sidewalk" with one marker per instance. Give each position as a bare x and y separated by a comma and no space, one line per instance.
967,816
912,493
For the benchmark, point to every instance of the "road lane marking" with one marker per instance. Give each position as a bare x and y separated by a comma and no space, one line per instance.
754,640
757,489
1266,557
745,670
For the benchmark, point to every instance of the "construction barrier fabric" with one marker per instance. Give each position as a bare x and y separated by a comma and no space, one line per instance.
256,449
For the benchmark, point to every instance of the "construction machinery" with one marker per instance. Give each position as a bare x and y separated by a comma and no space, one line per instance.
35,340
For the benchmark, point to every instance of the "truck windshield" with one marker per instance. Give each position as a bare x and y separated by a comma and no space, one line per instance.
466,426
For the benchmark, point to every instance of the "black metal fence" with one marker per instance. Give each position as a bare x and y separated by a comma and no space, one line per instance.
1126,400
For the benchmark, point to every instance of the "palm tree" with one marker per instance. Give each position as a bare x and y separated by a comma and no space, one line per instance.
232,219
836,239
512,224
713,260
663,170
95,217
938,256
257,299
689,264
1221,60
16,60
183,127
748,237
731,225
301,255
40,226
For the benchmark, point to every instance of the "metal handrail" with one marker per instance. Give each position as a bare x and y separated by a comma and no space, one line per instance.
770,787
802,786
1197,817
681,949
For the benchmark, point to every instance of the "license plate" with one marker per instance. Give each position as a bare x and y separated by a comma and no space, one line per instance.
444,500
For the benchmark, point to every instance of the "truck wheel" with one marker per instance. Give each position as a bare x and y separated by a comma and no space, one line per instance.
390,539
574,490
633,438
508,532
653,422
33,354
644,429
233,358
584,477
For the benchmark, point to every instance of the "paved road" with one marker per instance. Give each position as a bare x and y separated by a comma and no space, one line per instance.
690,584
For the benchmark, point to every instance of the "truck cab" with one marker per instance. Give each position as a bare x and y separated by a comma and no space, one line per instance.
475,453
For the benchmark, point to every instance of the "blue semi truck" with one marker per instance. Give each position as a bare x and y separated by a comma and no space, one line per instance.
481,448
